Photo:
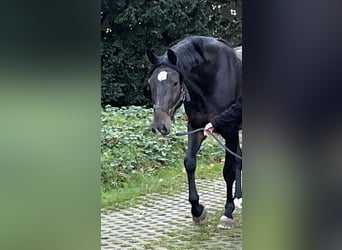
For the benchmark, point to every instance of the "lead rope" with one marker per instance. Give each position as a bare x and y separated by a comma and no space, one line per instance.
214,136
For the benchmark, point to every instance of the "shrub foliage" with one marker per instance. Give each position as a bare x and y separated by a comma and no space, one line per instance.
129,147
128,27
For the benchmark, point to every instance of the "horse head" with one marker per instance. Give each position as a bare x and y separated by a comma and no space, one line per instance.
167,88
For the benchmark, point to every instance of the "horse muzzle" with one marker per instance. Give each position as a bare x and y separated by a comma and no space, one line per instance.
161,123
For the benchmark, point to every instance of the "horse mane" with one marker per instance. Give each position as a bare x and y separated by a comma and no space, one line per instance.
189,53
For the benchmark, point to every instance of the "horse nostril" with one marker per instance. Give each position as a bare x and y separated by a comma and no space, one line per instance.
162,128
154,130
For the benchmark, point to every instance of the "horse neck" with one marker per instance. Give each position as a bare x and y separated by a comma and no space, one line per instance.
198,97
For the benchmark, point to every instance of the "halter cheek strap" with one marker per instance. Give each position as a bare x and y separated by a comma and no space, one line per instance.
186,95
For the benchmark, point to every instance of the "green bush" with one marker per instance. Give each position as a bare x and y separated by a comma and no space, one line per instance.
129,147
128,28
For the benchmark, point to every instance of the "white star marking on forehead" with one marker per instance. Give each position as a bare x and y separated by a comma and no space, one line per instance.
162,75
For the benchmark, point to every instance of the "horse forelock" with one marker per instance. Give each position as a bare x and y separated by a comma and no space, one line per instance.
165,65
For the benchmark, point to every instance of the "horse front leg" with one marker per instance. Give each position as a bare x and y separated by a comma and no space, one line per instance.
229,174
198,211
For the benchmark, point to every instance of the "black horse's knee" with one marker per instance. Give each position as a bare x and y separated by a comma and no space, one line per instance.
190,164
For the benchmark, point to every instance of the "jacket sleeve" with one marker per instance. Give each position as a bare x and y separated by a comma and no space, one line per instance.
231,117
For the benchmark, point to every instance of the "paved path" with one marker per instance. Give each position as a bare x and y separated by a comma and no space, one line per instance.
147,226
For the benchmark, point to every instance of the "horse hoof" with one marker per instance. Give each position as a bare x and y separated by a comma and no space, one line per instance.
202,219
225,223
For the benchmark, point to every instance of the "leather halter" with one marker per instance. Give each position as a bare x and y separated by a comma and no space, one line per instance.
184,95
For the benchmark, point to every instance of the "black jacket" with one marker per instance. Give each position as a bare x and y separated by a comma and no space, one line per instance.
231,118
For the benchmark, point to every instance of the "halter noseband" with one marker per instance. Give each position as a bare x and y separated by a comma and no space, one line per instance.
184,95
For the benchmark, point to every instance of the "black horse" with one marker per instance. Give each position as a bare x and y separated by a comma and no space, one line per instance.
205,74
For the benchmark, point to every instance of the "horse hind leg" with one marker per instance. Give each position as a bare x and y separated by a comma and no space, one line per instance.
226,220
238,169
238,182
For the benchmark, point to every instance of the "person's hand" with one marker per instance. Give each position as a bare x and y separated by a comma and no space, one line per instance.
208,128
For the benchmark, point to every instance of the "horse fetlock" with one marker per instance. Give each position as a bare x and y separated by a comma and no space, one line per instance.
238,192
197,209
202,218
229,209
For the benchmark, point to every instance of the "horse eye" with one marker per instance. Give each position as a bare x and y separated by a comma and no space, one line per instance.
175,83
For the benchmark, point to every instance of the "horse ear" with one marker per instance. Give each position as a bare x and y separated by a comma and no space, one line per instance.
171,55
153,58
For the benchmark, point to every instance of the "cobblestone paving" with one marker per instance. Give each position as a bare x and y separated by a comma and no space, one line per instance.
166,217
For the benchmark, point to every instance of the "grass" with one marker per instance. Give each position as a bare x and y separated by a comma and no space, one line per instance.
168,180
